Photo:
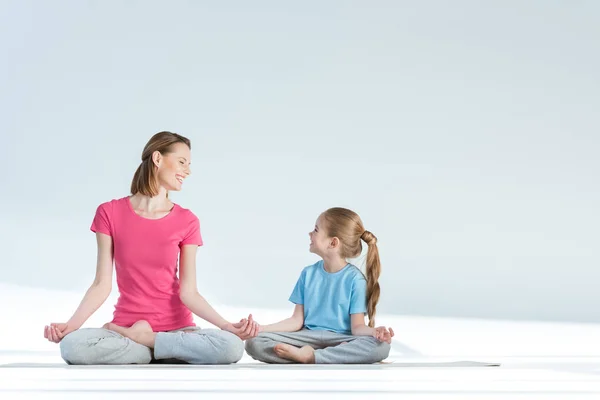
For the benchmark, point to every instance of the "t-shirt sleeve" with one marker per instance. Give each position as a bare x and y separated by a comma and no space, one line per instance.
358,296
193,235
297,296
102,220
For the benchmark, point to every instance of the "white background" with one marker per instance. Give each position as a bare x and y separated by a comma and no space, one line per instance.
465,134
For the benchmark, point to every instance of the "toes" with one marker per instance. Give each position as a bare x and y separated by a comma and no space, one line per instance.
280,350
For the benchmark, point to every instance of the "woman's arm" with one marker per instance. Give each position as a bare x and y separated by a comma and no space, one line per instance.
198,305
291,324
188,291
102,285
359,328
95,296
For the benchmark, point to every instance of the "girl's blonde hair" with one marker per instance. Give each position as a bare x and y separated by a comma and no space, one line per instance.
144,180
347,226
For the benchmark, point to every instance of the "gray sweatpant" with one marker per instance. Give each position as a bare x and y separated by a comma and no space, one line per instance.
327,345
196,346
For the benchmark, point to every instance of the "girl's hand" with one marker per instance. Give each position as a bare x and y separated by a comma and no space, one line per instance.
56,331
383,334
245,329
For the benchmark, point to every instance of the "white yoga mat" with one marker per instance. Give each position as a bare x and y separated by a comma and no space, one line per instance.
412,364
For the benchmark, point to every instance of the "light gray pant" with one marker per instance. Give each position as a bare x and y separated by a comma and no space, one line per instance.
327,345
200,346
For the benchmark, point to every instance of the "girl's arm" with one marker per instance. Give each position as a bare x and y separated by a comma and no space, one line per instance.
94,297
198,305
291,324
359,328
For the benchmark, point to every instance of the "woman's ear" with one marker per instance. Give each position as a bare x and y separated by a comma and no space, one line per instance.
156,158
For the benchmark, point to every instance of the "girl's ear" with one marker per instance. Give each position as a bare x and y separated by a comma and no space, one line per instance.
335,242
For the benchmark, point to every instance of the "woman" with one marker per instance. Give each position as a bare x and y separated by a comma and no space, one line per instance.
145,235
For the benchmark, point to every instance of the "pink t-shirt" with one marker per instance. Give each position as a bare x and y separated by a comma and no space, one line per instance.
146,253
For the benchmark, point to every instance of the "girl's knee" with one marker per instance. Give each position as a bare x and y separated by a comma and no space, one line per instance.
251,346
383,351
378,351
257,347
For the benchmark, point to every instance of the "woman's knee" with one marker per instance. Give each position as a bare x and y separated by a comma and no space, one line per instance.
224,348
233,348
74,347
98,346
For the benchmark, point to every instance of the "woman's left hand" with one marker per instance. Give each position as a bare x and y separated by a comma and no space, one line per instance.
245,329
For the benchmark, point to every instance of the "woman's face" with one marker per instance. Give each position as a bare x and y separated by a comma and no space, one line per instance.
174,167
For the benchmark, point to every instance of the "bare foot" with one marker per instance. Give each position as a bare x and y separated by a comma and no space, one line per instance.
140,332
304,354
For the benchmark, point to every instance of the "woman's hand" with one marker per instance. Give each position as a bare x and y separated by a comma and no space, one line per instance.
245,329
56,331
383,334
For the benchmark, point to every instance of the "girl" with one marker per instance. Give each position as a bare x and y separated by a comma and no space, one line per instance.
144,235
331,297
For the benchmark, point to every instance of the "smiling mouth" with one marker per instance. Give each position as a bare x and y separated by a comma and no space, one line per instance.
179,178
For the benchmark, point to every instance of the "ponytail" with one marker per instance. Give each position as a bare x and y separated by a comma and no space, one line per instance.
373,273
144,179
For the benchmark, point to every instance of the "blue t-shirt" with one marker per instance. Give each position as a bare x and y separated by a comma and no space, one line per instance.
329,299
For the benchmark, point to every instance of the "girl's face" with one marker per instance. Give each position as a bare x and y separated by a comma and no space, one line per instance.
174,167
319,242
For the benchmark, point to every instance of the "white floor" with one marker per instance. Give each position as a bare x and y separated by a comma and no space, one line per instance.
45,376
538,361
